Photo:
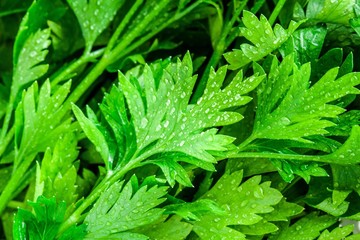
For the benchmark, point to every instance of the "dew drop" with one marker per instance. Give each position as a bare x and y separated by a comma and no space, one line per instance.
237,96
244,203
285,121
259,192
33,53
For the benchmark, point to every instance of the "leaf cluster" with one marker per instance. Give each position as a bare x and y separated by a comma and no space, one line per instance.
186,119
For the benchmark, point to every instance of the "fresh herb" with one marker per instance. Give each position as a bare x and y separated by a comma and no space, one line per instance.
187,119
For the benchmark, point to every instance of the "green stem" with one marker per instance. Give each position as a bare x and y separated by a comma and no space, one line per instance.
148,36
85,84
12,185
6,141
279,156
74,65
245,143
219,50
117,52
275,13
6,124
16,205
121,27
10,12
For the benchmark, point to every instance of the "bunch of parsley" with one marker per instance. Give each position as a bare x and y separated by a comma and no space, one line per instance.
185,119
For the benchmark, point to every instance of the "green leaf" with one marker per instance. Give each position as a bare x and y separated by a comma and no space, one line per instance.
193,210
58,173
173,171
346,177
45,223
260,228
120,209
264,40
28,67
171,229
331,11
244,206
348,153
95,135
338,233
321,196
283,211
308,43
290,108
344,123
33,22
148,117
37,122
307,227
94,16
287,169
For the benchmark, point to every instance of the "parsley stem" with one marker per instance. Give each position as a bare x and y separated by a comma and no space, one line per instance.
125,21
276,11
148,36
278,156
7,139
10,12
117,52
65,72
86,83
5,128
107,59
18,173
243,145
220,47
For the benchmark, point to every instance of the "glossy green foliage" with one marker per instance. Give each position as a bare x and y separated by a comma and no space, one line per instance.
94,16
249,208
263,37
179,120
45,223
164,128
291,108
120,209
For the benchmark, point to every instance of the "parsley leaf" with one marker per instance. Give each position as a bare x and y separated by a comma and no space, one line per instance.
120,209
307,227
45,223
264,39
94,16
27,68
162,122
338,233
57,175
246,206
295,111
